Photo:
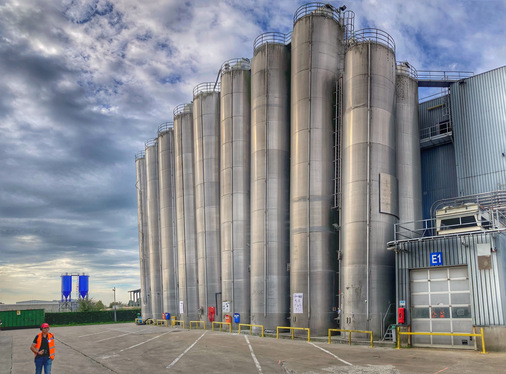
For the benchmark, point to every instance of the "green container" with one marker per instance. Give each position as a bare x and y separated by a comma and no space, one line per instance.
17,319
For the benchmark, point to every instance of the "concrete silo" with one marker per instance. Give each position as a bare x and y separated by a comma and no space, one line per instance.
369,182
317,61
235,185
140,173
408,162
206,145
168,237
153,215
185,204
270,180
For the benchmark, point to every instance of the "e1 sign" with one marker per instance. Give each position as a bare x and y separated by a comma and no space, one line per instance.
436,259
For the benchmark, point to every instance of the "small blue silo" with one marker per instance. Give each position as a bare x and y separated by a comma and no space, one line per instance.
83,286
66,287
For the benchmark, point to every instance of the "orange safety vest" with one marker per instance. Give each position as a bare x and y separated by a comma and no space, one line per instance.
50,343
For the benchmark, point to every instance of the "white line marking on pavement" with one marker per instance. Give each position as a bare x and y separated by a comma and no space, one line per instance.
257,364
113,337
330,353
133,346
187,349
95,333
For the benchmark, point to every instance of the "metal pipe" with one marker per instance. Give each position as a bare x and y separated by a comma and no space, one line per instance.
309,178
368,206
266,84
204,202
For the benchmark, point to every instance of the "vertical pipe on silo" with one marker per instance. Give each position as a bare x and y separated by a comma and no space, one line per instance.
185,201
317,61
168,237
270,179
142,221
369,173
235,185
206,142
153,214
408,150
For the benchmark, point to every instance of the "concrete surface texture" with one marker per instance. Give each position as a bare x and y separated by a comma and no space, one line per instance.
128,348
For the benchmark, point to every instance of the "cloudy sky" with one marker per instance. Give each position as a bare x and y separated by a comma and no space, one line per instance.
85,82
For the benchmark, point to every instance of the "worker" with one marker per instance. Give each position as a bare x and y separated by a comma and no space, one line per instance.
43,348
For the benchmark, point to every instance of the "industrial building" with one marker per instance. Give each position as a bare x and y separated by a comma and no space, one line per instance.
303,187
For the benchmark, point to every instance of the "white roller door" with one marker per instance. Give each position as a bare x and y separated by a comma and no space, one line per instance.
440,302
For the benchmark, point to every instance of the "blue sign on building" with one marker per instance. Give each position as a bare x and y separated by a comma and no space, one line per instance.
436,259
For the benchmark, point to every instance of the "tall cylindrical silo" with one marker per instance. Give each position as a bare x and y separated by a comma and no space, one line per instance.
235,185
317,61
188,309
168,237
206,144
153,215
270,180
409,171
140,172
369,182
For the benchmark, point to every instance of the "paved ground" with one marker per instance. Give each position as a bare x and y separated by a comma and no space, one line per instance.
127,348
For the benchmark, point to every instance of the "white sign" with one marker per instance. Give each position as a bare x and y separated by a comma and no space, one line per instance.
181,308
226,306
402,303
298,306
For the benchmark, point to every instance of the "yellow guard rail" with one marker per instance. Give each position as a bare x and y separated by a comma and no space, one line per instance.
350,331
293,329
441,334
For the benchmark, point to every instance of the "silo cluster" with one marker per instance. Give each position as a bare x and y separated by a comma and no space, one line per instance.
250,229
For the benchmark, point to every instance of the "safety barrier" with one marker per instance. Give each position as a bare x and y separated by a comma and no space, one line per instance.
221,325
174,321
250,326
441,334
198,323
293,329
350,331
160,322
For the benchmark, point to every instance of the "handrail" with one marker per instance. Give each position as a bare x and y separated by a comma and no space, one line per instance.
405,68
164,127
440,75
250,326
242,63
350,331
271,38
151,142
174,321
198,323
161,322
490,199
221,325
441,334
140,154
183,108
372,35
323,9
206,87
292,329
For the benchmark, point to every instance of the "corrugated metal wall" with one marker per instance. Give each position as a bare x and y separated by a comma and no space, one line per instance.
439,176
488,304
479,117
431,112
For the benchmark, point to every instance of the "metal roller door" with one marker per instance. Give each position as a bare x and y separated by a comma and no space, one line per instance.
441,302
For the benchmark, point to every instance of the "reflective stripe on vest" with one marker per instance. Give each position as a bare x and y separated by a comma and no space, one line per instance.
50,343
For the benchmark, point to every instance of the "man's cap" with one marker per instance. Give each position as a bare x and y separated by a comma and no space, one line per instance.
44,325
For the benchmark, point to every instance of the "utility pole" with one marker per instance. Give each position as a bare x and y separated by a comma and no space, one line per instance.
114,303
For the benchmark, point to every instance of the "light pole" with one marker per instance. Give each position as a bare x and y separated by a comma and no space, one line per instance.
114,303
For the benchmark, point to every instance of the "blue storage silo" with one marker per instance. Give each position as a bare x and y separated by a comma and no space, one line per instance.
66,286
83,285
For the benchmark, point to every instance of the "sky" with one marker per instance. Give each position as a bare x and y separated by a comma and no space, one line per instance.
84,83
